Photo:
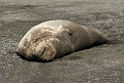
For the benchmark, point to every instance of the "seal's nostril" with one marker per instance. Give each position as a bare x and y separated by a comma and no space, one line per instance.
44,50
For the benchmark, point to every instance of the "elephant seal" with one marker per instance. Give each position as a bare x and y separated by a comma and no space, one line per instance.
55,38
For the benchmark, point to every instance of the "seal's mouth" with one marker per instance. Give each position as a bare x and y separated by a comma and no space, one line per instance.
44,51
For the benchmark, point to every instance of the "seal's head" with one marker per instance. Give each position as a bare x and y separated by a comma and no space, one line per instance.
37,45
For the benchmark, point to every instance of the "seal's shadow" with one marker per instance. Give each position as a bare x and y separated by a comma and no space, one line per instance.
35,59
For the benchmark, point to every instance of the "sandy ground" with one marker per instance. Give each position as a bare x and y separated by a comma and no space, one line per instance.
101,64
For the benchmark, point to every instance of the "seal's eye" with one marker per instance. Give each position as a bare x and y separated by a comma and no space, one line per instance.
70,33
63,28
